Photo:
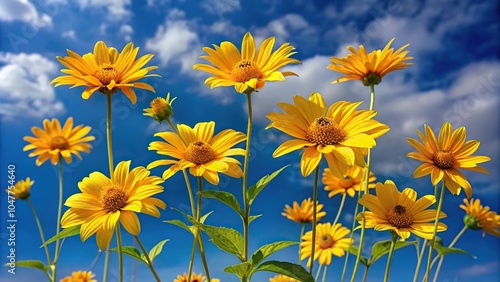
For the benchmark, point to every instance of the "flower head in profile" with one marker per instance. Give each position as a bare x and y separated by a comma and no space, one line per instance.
479,217
370,68
106,71
282,278
194,278
340,133
160,108
351,183
250,69
21,189
400,212
199,150
330,241
304,212
80,276
53,142
104,202
442,157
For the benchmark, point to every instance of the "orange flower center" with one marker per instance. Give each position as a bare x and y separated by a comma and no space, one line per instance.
326,241
158,105
106,73
444,159
325,131
399,218
112,198
199,152
59,142
347,182
245,70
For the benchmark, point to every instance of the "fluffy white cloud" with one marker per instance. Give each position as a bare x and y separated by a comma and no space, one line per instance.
220,7
287,27
117,9
23,10
127,31
69,34
24,86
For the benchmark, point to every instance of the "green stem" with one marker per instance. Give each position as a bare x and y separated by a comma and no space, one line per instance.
346,260
120,252
40,230
198,233
324,274
146,255
389,259
111,168
58,225
360,248
300,240
419,262
442,257
340,209
245,176
436,222
191,261
365,274
314,222
318,272
435,195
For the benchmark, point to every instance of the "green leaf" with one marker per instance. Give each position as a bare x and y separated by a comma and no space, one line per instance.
443,251
286,268
156,250
253,217
133,252
381,248
32,264
354,250
224,197
239,269
254,190
267,250
227,239
67,232
180,224
204,217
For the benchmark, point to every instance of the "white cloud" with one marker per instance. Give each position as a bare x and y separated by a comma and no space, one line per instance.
25,88
225,27
287,27
117,9
127,31
219,7
69,34
23,10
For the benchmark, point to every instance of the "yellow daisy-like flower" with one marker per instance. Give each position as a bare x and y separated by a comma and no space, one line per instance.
53,142
282,278
443,157
330,240
161,108
351,183
340,133
304,212
194,278
80,276
370,68
103,202
248,69
106,71
400,212
21,189
479,217
199,150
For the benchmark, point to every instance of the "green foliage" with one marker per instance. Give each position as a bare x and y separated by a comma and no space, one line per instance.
70,231
133,252
286,268
32,264
443,251
224,197
156,250
254,190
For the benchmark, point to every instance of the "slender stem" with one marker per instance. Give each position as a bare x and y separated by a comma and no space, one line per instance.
389,259
111,166
435,195
300,240
436,222
146,255
39,230
442,257
58,224
350,237
318,272
324,274
191,261
245,176
340,209
360,248
106,265
372,96
365,274
314,222
419,262
120,252
190,192
198,233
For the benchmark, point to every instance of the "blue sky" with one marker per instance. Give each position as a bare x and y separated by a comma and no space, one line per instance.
455,78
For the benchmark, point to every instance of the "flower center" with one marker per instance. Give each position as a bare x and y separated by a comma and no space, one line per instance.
158,105
106,73
326,241
347,182
59,142
112,198
245,70
199,152
371,78
325,131
399,218
444,159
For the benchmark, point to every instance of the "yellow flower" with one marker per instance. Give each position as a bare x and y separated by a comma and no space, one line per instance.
103,202
53,142
199,150
330,240
370,68
400,211
161,109
106,71
304,212
442,157
340,132
481,218
194,278
248,69
282,278
21,189
351,183
80,276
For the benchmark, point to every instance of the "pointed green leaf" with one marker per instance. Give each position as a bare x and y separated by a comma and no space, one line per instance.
224,197
254,190
239,269
156,250
443,251
204,217
180,224
381,248
354,250
227,239
32,264
253,217
286,268
67,232
133,252
267,250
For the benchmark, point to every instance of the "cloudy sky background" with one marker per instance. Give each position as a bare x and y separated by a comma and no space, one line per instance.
455,78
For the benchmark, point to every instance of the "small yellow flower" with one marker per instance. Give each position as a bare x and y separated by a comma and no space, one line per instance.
80,276
370,68
160,108
194,278
479,217
351,183
282,278
304,212
21,189
53,142
330,240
